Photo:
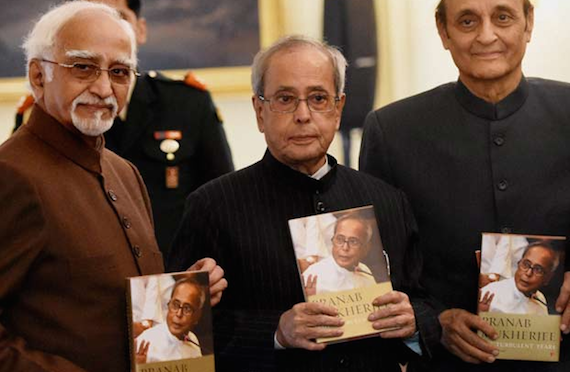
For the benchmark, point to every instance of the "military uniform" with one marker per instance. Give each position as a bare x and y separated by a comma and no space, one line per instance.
173,134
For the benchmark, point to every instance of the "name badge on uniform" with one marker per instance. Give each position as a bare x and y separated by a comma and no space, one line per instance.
172,177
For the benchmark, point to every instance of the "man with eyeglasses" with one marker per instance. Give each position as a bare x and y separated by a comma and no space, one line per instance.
169,129
241,219
343,270
76,218
520,294
486,153
174,339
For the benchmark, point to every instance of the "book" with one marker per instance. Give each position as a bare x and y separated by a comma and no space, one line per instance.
520,277
342,263
170,322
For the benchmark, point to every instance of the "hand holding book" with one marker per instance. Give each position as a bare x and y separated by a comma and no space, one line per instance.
216,276
350,273
519,304
394,312
459,336
306,321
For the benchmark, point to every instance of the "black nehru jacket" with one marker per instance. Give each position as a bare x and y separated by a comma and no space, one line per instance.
469,166
241,220
161,108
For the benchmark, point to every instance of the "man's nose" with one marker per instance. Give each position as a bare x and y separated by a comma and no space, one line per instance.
302,113
102,86
487,32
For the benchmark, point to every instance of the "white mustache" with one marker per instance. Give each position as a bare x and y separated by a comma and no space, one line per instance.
87,98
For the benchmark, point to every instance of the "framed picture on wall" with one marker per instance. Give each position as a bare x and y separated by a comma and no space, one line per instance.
215,39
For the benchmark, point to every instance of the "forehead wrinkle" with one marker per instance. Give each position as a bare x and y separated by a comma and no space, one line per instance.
467,9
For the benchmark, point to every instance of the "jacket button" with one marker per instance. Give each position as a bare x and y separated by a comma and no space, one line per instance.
499,140
137,251
503,185
321,206
126,223
506,230
112,195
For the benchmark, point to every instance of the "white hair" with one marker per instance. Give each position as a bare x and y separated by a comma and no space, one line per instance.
262,58
40,42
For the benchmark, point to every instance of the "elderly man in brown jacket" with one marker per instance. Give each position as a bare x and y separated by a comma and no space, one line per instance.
76,218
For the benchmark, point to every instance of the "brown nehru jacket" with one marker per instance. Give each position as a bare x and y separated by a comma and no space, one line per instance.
76,221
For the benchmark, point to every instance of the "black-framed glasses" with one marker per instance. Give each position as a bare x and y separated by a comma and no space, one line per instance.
176,305
285,103
339,240
89,72
526,265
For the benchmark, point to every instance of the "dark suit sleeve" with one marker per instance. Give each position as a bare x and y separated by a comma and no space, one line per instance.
426,308
373,154
22,233
196,236
214,148
375,160
239,334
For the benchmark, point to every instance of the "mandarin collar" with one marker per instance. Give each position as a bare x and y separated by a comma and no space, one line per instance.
486,110
290,176
64,141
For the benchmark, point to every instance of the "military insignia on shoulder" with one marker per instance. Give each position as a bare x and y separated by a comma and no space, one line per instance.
194,81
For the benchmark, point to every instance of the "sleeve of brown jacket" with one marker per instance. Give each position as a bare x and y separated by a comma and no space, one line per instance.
22,236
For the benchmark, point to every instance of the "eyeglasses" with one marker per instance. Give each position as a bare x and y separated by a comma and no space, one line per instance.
526,265
90,72
176,305
339,240
285,103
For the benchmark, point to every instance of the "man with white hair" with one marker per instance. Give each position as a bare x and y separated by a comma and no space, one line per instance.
241,220
76,218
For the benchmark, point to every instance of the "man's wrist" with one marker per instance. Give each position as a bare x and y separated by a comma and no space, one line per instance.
276,344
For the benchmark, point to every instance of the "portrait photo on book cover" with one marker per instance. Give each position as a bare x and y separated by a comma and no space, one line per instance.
339,251
170,317
520,274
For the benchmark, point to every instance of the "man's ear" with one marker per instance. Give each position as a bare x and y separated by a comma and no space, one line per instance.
36,78
443,35
338,111
258,108
141,31
529,23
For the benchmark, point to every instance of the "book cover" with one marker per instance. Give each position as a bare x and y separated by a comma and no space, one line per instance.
342,263
519,281
170,322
